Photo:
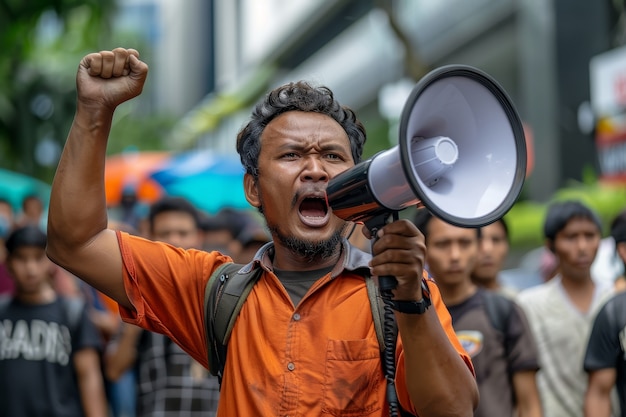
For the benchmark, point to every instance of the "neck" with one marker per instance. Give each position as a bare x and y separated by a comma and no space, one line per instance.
576,278
579,291
43,296
487,283
289,260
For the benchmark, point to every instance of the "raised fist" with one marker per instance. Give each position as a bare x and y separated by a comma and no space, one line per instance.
109,78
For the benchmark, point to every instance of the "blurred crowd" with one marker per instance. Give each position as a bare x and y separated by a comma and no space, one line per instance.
533,352
142,373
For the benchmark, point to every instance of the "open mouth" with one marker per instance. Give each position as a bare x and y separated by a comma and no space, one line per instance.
313,207
314,211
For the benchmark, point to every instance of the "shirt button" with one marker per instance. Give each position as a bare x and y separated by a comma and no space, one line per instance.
296,316
291,366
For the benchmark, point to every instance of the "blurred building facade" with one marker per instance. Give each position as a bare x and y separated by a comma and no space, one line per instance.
214,58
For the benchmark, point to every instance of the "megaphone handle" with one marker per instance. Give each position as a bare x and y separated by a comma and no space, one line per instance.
386,283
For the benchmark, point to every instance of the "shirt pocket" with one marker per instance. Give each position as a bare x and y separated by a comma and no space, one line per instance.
352,379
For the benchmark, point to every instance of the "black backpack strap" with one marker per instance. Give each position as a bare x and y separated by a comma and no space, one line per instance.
499,309
377,306
378,312
225,292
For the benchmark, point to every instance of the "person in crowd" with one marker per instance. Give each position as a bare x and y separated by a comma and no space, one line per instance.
250,240
32,212
492,254
492,328
605,361
63,282
220,231
7,223
605,356
562,310
169,381
130,210
49,348
303,343
104,313
7,218
618,234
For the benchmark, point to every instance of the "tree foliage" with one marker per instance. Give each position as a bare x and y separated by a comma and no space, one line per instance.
42,42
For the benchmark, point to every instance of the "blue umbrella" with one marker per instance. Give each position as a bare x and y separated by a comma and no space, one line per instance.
208,179
14,187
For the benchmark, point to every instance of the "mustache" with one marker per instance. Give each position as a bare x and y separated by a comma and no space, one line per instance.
295,199
299,195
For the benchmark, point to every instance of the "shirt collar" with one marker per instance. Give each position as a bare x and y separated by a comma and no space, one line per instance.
352,259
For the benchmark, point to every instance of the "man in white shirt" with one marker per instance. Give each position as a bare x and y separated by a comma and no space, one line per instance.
561,310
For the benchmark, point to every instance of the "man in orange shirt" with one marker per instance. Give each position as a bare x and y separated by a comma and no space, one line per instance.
303,345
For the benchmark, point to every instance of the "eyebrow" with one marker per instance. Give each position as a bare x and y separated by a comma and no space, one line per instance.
297,145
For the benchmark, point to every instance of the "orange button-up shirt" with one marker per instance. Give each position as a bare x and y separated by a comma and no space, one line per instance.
319,358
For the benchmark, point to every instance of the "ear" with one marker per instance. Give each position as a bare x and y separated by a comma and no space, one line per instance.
549,244
252,191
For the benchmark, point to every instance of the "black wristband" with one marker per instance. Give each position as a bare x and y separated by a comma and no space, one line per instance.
414,307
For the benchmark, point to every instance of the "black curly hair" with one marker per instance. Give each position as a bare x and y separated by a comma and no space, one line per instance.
296,96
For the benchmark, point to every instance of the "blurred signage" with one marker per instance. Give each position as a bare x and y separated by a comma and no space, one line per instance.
611,149
608,102
608,82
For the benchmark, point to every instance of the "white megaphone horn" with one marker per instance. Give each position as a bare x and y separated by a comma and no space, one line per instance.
461,154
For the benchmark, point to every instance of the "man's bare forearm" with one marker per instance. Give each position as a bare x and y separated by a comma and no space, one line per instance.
78,202
436,374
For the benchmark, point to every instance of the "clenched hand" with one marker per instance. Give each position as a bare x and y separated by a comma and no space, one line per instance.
109,78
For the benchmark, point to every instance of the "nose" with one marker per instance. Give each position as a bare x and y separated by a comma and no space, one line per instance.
585,244
486,245
314,170
175,241
31,267
455,252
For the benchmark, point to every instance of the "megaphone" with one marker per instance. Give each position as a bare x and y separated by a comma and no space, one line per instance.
461,154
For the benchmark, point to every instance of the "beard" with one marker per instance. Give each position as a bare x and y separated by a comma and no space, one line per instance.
310,251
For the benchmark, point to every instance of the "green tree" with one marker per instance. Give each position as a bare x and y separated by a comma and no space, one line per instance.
42,42
39,40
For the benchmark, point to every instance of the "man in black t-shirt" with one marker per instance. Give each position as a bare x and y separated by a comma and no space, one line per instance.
605,360
491,327
49,348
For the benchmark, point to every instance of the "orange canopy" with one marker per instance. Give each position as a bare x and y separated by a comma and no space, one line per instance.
132,169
